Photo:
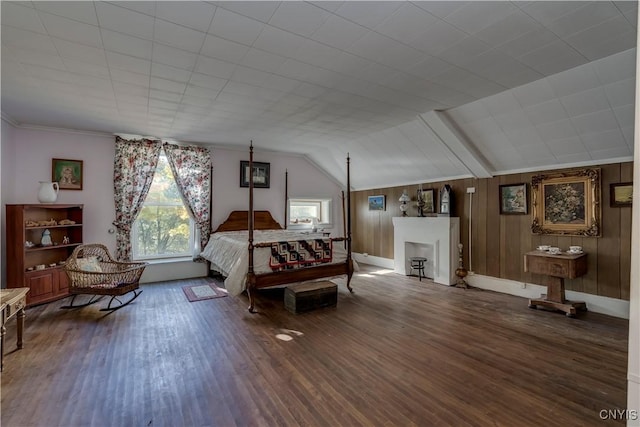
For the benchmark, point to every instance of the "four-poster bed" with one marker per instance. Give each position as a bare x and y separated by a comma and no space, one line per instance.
252,251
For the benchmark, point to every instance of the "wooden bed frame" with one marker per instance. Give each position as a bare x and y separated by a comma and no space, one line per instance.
262,220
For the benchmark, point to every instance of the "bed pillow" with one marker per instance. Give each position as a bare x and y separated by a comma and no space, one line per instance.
89,264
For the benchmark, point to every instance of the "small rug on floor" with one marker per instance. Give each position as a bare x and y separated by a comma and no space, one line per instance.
202,292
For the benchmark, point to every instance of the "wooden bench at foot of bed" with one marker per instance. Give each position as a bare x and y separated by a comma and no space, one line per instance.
308,296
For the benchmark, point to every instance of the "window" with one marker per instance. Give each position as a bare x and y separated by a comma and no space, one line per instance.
303,212
163,229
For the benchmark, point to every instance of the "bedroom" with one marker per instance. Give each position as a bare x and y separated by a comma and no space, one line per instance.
28,147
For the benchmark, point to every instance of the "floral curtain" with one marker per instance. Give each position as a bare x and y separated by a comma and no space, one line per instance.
134,166
191,167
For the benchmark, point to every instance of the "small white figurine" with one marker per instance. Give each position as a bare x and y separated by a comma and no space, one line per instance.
46,238
65,240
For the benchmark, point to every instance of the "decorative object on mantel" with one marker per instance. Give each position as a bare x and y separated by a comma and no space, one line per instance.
421,202
461,272
404,199
446,200
567,203
48,192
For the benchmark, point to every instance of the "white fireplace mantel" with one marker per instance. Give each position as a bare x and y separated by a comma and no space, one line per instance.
442,233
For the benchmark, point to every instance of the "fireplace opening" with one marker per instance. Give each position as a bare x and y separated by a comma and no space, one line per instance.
425,250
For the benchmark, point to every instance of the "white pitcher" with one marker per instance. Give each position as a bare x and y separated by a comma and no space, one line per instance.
48,192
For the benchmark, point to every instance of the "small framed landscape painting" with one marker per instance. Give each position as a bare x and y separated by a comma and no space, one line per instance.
377,203
514,199
621,194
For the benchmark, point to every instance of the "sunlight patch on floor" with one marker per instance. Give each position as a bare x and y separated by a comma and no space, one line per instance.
375,273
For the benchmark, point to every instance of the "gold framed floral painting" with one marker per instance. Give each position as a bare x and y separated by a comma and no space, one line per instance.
567,203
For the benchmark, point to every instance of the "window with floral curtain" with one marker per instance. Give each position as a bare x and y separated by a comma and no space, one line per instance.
135,164
191,167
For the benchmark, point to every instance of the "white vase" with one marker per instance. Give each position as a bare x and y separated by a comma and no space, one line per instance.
48,192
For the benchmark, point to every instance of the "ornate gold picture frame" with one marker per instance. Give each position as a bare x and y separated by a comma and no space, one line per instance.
567,203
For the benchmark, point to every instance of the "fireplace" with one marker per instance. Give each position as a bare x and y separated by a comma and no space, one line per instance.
435,238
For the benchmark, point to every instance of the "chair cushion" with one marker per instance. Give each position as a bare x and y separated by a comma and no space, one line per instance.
90,264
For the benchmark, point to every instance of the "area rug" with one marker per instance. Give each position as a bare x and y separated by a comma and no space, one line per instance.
202,292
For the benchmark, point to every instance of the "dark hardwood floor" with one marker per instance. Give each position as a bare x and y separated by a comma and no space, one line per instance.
397,352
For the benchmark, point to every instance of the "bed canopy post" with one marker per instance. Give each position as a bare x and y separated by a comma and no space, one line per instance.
348,236
286,198
251,277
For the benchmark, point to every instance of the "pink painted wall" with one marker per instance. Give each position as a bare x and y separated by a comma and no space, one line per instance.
26,160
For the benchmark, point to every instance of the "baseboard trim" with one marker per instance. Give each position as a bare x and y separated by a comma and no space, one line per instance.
598,304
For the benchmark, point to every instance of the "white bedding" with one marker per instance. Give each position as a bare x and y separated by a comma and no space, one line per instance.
229,255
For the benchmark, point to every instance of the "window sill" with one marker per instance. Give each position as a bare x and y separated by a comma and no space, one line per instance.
165,260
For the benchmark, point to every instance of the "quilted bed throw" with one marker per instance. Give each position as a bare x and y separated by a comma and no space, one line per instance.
300,253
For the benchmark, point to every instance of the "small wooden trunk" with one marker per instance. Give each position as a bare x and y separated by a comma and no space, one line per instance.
309,296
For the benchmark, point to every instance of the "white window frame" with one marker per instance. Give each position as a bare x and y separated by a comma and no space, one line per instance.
326,212
134,233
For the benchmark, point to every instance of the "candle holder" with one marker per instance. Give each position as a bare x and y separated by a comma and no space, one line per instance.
461,272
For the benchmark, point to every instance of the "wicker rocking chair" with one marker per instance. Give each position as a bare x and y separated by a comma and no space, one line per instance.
92,271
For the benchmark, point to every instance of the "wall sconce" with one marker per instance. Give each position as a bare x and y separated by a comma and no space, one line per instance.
404,199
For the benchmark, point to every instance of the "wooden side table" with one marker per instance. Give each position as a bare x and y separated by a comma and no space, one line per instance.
557,267
12,302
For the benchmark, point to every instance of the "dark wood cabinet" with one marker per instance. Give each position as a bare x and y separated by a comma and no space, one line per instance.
35,265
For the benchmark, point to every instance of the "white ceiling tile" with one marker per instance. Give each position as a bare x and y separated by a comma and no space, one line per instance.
527,42
595,122
278,41
214,67
429,67
525,136
367,13
611,153
604,31
378,48
318,54
235,27
82,67
610,46
585,102
70,30
124,76
617,67
249,76
78,11
226,50
170,73
464,51
513,120
575,80
574,158
338,32
604,140
262,60
548,11
437,37
588,15
553,58
260,10
123,89
406,23
168,55
39,58
167,85
128,63
124,20
476,16
16,38
512,27
298,17
19,15
197,16
545,112
81,52
441,9
534,93
206,81
566,146
177,36
625,115
142,6
127,45
560,129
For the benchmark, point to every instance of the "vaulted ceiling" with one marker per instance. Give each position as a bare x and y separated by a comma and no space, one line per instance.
414,91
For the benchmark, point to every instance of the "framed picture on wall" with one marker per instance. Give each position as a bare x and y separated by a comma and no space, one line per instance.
621,194
67,173
429,199
514,199
261,174
377,203
567,203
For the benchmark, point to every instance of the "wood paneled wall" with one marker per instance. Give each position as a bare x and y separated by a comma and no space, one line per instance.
500,241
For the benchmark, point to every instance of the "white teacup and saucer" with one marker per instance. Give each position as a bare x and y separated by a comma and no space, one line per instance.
543,248
574,250
554,250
